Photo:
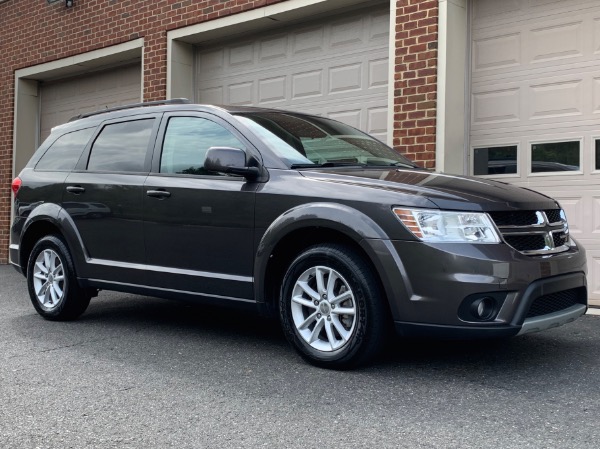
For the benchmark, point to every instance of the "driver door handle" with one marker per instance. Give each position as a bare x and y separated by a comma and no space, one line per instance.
158,194
75,189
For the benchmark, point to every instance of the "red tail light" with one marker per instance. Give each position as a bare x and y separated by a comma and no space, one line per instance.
16,185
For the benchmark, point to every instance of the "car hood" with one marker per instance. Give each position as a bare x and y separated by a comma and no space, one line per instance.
445,191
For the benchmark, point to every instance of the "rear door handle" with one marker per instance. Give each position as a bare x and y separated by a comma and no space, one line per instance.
75,189
158,193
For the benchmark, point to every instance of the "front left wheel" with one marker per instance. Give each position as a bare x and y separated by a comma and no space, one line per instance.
332,308
52,283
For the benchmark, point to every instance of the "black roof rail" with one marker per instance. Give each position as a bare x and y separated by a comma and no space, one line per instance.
131,106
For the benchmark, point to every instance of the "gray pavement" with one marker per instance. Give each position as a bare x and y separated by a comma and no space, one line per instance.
138,372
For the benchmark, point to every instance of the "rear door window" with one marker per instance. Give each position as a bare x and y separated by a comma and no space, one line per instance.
121,147
64,153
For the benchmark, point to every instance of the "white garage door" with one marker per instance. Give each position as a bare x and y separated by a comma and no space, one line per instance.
61,100
535,106
336,68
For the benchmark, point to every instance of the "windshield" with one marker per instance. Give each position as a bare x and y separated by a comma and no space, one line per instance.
303,141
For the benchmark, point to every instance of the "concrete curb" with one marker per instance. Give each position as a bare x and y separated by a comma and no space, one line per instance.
593,311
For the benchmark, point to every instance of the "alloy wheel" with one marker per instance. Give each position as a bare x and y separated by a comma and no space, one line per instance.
49,279
323,308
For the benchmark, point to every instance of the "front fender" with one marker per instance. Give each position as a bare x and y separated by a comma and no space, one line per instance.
337,217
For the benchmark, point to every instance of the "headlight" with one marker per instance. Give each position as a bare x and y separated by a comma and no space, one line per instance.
440,226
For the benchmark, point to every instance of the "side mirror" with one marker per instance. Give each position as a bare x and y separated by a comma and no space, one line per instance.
229,160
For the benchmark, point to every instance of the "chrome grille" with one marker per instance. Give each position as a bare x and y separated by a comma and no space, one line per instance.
533,232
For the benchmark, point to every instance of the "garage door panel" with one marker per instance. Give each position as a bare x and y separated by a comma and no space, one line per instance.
594,275
63,99
536,80
378,73
345,78
596,40
595,222
556,98
212,95
497,106
556,40
377,121
344,33
210,62
496,52
271,50
488,13
332,68
379,28
307,85
548,41
272,90
544,2
565,100
241,94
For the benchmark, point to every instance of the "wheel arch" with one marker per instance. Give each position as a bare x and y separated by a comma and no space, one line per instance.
305,226
35,231
46,220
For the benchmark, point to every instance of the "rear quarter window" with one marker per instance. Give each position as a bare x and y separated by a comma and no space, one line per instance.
64,153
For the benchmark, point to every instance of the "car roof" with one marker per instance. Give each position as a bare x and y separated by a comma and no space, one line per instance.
169,105
174,105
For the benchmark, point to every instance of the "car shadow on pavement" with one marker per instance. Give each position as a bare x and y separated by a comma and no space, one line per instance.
209,332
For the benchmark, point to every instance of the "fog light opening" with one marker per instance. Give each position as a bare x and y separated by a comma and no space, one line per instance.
483,308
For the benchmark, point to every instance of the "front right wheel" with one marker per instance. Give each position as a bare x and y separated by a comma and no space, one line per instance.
332,308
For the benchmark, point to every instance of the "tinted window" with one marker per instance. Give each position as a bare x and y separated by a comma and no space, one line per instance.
597,144
186,142
495,160
121,146
309,140
555,156
64,153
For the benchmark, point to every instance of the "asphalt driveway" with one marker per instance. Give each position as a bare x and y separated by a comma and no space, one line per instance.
137,372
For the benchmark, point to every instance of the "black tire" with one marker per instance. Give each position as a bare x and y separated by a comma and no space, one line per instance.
364,333
74,300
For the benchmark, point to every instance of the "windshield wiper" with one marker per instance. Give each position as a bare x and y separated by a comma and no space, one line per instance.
329,164
402,164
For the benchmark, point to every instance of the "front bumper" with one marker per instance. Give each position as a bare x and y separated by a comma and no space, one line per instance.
511,321
430,284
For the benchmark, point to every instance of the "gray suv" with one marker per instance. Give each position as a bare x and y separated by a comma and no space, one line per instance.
298,216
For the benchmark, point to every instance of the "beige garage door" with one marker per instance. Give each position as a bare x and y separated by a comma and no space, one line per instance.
535,106
61,100
336,68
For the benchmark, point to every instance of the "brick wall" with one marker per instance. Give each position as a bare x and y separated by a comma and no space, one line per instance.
34,32
415,81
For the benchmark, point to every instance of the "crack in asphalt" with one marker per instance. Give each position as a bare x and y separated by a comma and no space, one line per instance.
80,343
